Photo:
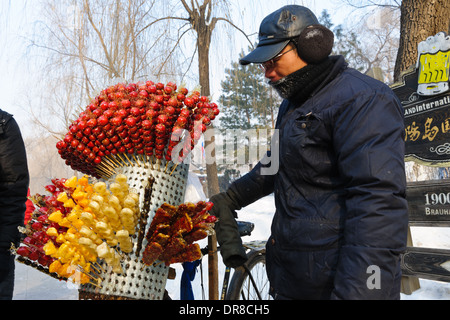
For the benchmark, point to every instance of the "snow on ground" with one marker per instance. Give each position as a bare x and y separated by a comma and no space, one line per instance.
32,285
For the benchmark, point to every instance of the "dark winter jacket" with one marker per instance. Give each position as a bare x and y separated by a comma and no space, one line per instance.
341,215
14,180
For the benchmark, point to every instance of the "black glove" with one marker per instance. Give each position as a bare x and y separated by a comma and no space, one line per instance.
231,249
241,193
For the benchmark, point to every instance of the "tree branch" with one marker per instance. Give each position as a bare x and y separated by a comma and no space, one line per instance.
158,20
105,49
237,28
173,49
185,5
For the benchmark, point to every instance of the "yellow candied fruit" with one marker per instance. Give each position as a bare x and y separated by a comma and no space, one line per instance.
83,181
64,223
89,189
87,218
55,216
78,224
69,203
72,230
62,197
84,279
79,195
49,248
91,257
66,270
71,183
63,249
94,206
78,277
100,187
81,261
52,232
60,238
72,216
84,203
76,259
121,178
54,266
71,238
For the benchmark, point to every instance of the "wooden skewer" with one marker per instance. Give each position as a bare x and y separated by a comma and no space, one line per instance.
126,157
103,173
116,160
137,161
119,253
174,169
143,267
109,166
89,269
103,270
92,266
95,285
145,157
167,164
121,159
111,163
151,162
106,167
89,275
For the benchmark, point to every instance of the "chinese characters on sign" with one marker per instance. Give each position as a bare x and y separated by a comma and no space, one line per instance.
427,130
428,121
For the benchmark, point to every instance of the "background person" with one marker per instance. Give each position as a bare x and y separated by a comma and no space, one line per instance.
14,180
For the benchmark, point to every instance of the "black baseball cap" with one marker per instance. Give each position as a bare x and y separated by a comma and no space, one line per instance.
277,30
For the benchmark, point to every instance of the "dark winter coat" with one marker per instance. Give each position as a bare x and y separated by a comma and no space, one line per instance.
341,215
14,180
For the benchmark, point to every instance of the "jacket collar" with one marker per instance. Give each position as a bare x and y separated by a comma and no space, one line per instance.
339,66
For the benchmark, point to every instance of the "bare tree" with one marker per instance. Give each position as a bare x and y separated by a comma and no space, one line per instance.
379,45
370,37
85,44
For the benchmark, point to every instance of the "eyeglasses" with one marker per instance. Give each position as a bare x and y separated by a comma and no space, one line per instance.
270,64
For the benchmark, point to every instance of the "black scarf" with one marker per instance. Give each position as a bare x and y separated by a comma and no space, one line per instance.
299,85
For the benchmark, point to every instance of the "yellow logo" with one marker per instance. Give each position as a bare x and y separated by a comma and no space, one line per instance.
434,65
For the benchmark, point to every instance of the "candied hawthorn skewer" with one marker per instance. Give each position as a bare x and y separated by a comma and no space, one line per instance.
173,231
135,119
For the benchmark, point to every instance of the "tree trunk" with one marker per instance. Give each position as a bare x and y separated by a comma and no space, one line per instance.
419,20
203,44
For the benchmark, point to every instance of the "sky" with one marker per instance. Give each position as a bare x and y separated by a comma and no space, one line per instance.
17,18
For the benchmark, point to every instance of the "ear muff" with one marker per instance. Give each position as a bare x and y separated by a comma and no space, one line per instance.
315,44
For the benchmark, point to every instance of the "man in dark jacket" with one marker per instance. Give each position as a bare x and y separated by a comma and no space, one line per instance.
14,180
341,216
